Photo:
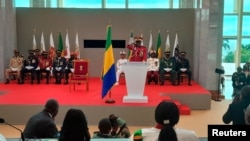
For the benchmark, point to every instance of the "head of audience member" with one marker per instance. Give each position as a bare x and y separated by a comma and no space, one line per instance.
104,126
153,54
239,69
74,127
183,54
16,52
138,41
112,118
167,54
167,115
58,53
31,52
122,54
245,92
45,54
37,52
73,56
52,107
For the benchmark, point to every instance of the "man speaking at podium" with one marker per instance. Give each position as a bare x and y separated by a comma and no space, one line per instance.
138,51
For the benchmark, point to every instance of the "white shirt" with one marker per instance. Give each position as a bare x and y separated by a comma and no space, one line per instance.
151,134
120,62
153,64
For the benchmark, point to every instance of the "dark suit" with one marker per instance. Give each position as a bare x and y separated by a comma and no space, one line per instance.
59,65
31,61
40,125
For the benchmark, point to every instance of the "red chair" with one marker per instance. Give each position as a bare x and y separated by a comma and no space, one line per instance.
80,73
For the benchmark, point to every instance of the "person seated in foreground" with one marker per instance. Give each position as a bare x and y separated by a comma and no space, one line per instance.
42,124
166,116
104,127
235,112
74,127
119,126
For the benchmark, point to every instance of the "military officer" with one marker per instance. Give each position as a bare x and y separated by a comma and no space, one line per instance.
238,81
70,67
183,66
138,51
167,65
119,63
153,68
15,65
29,65
45,64
59,65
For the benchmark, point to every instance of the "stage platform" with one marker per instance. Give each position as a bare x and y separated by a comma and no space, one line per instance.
19,102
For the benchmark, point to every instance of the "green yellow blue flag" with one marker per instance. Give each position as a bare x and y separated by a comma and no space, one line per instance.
159,45
108,74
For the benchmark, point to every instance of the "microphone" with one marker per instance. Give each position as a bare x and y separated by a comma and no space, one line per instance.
22,136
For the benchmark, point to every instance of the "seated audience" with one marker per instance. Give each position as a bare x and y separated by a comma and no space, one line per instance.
70,67
42,124
153,68
74,127
45,63
59,66
119,126
119,64
183,66
29,66
235,113
238,81
166,116
104,127
15,65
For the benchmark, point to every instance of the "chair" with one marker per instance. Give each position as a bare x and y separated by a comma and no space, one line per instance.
80,73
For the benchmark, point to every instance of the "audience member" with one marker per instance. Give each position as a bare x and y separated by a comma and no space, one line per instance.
153,68
104,127
235,112
59,65
70,67
167,65
15,65
238,81
120,62
45,64
138,51
42,125
166,116
74,127
183,66
119,127
29,66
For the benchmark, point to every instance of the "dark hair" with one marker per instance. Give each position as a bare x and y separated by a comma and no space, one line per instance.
167,114
245,92
52,107
75,127
104,126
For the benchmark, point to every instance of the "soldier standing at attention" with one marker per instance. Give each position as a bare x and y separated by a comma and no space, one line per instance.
15,65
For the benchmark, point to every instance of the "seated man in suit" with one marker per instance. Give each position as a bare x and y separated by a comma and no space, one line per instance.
70,67
45,64
15,65
29,66
167,65
153,68
59,66
183,66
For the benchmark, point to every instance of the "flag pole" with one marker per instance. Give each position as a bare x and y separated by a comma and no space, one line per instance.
110,100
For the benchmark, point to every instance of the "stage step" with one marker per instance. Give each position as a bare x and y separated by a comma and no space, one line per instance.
184,109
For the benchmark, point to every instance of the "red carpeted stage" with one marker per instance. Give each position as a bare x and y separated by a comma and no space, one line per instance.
22,96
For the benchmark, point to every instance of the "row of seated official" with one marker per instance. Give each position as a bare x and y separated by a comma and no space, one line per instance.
38,63
174,66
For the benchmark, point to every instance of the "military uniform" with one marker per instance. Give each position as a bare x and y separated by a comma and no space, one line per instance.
167,62
45,64
238,81
29,66
70,67
120,62
153,68
138,52
183,63
15,65
59,65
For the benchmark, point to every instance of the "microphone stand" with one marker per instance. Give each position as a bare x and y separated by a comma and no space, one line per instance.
22,136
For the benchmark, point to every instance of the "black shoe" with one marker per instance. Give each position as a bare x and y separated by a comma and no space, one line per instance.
38,82
7,81
21,82
32,82
178,84
162,84
173,84
189,84
47,82
66,82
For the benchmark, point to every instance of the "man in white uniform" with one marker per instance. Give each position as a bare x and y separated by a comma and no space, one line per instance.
119,64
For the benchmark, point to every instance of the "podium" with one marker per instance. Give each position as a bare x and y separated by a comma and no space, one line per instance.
135,76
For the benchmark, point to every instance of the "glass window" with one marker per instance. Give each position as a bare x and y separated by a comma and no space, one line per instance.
148,4
245,25
230,25
115,4
228,55
230,6
82,3
22,3
246,6
245,50
176,4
